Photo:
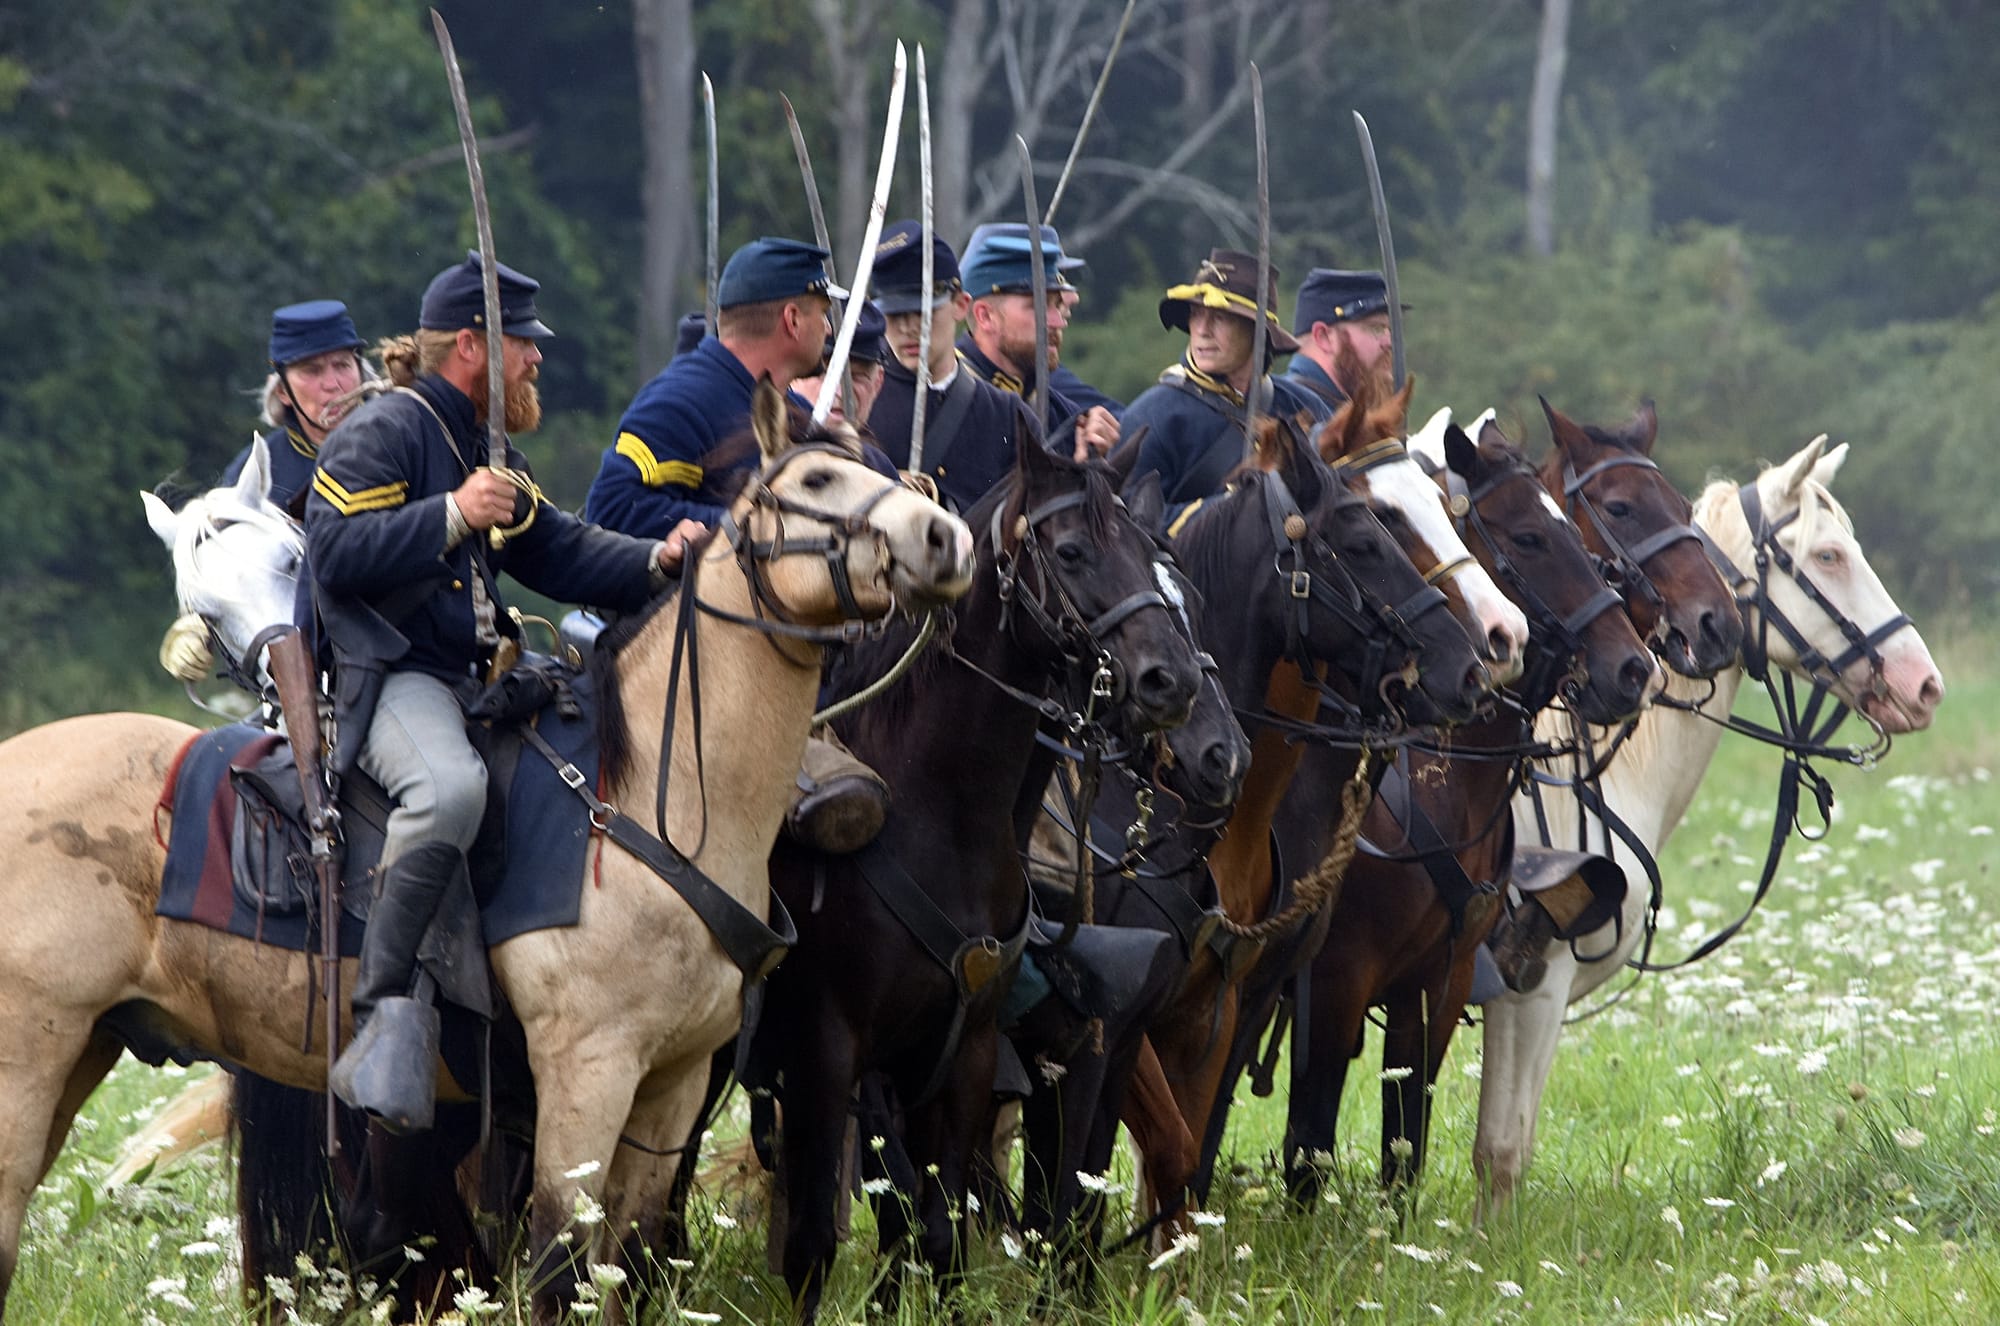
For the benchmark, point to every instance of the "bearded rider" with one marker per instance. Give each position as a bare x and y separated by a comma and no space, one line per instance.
405,583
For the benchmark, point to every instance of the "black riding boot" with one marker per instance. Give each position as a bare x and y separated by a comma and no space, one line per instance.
389,1069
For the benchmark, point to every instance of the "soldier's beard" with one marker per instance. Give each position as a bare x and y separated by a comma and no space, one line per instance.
524,407
1022,353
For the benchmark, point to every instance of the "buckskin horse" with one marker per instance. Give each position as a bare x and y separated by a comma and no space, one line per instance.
621,1012
1422,893
1813,610
1297,575
906,947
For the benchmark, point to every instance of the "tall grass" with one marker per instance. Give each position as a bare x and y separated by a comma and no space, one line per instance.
1800,1129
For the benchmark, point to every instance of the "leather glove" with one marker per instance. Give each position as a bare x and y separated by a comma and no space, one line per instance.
184,651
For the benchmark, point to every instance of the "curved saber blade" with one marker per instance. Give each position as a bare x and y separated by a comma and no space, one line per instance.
714,205
496,396
1260,335
820,236
1036,265
865,264
1388,245
918,406
1089,113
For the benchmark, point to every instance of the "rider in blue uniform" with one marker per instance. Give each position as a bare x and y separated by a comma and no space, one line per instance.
971,428
1195,415
1337,311
776,301
315,357
407,592
997,271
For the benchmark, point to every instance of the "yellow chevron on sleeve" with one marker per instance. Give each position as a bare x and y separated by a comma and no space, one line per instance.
368,499
654,472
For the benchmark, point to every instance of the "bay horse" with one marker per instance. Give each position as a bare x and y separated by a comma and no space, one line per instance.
1404,931
1841,630
1301,580
621,1012
907,947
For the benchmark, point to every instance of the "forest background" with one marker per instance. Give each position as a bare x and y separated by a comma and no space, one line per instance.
1774,219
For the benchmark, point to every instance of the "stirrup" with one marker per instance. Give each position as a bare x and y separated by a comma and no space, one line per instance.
390,1068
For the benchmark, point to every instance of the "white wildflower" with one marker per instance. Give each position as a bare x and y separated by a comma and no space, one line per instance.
1209,1219
1180,1245
1097,1183
1010,1245
1396,1074
1773,1172
876,1187
1242,1252
583,1171
201,1248
1909,1138
1811,1062
1506,1289
171,1290
1719,1203
689,1314
585,1209
1416,1253
723,1220
1672,1216
476,1302
606,1276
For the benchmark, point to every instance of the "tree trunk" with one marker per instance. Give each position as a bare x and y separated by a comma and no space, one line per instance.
1544,101
664,37
962,76
847,30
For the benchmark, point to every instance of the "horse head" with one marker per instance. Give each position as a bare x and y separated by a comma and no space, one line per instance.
833,540
1363,443
1208,755
1577,640
236,558
1631,516
1072,561
1817,608
1298,567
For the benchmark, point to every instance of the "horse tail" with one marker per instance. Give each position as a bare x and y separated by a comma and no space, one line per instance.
285,1190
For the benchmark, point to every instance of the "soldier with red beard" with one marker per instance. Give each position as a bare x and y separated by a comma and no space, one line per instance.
406,586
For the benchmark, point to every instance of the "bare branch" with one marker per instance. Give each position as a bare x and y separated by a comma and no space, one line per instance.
452,153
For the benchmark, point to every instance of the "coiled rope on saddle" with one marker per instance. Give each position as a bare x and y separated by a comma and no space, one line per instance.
1314,889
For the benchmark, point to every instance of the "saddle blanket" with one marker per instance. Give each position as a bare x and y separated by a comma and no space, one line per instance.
527,866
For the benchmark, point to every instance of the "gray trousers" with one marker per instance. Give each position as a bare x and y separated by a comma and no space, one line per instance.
417,749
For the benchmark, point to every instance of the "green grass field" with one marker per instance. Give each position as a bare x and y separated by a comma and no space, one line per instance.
1801,1129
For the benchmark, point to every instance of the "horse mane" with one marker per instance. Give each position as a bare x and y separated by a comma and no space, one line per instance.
1202,546
203,517
1817,504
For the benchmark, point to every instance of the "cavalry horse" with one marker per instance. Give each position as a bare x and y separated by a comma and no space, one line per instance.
1421,895
1813,609
1298,577
907,947
621,1012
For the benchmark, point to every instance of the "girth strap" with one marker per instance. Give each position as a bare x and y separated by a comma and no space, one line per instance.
1455,888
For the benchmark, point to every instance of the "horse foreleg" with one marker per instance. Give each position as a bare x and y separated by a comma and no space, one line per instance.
653,1148
1326,1035
944,1135
819,1082
49,1064
1166,1144
1521,1033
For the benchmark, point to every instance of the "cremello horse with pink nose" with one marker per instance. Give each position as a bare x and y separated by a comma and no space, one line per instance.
621,1011
1653,777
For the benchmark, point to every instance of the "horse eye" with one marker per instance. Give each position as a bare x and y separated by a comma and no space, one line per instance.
1529,542
817,480
1828,557
1617,510
1071,552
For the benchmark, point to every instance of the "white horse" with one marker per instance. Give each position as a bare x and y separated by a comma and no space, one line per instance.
1653,777
236,561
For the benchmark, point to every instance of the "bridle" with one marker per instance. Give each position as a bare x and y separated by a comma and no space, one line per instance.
1626,566
1558,635
1391,451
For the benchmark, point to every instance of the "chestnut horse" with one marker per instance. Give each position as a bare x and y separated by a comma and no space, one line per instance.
1408,922
621,1012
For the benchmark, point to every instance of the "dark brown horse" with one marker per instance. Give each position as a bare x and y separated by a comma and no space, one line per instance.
1421,896
1345,612
906,947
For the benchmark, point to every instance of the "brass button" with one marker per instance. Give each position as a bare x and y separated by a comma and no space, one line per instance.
458,584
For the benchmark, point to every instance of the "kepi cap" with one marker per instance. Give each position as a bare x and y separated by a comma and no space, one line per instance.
456,298
300,331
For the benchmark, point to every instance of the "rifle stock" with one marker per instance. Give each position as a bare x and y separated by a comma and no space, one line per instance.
291,672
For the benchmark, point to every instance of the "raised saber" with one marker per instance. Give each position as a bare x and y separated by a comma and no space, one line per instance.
1388,245
820,236
1040,278
1260,335
714,208
865,264
919,405
496,396
1089,113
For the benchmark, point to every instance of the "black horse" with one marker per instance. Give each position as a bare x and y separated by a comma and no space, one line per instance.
906,948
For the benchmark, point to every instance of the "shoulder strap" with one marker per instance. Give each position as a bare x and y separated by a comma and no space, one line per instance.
951,412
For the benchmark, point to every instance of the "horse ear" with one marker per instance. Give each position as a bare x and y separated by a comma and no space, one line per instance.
1427,443
1644,429
161,517
1124,457
1562,428
1401,402
1793,474
770,420
1460,453
1145,502
1829,463
253,485
1486,430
